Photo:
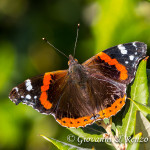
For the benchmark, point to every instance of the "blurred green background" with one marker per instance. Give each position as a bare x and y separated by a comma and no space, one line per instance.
23,54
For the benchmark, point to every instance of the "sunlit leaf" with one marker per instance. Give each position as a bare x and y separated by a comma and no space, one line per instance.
143,108
139,93
62,145
83,134
139,89
134,145
93,134
148,77
143,125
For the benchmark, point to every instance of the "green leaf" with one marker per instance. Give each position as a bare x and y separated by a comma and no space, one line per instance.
129,122
92,131
142,108
139,93
139,89
94,134
135,145
62,145
148,77
83,133
143,125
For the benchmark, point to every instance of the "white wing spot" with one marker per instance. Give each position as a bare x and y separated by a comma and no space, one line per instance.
135,53
24,101
131,57
28,96
35,97
122,49
134,44
28,85
126,62
143,50
16,88
22,96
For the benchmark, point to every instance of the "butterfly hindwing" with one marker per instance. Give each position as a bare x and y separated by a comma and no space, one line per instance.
119,62
94,98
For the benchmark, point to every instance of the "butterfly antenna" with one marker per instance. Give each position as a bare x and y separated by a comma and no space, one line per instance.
44,39
76,40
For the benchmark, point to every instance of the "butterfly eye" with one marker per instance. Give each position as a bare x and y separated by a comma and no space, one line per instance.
76,60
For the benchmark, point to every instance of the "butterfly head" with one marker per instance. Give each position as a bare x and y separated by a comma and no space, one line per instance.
72,60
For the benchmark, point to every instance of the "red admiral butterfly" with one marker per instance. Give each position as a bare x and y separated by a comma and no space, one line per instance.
85,92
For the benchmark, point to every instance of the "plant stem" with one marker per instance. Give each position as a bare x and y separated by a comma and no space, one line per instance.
107,127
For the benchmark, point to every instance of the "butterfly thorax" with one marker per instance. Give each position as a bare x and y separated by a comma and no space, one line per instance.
77,72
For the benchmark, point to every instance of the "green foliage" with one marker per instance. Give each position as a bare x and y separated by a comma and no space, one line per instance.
142,108
143,125
139,93
83,134
135,145
63,146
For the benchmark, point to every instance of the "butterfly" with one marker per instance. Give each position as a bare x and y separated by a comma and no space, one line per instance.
87,92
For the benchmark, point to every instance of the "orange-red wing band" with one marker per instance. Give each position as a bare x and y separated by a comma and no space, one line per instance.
79,122
105,113
113,109
110,61
43,98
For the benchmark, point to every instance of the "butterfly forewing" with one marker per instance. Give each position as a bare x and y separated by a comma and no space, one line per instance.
119,62
40,92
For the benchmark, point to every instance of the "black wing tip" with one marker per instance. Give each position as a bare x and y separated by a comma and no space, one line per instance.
140,43
14,100
140,46
137,43
14,96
